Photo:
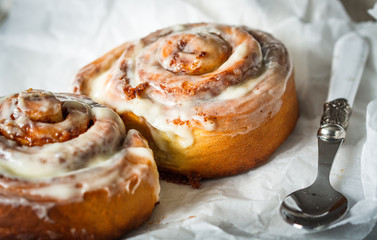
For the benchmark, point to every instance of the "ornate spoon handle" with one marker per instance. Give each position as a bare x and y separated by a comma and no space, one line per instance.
334,121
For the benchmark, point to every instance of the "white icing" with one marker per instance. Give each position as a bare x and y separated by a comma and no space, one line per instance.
240,52
210,28
141,152
98,88
159,117
43,106
100,166
160,112
237,91
59,191
31,166
7,110
155,113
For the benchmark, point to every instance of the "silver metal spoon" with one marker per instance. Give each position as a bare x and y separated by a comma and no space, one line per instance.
319,205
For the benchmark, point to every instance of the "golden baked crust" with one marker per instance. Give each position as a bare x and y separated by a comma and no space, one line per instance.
219,154
96,185
205,112
97,216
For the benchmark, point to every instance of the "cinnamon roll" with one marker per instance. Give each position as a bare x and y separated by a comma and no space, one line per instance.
212,100
68,170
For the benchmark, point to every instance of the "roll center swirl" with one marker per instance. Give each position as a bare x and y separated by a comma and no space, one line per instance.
193,53
36,117
40,106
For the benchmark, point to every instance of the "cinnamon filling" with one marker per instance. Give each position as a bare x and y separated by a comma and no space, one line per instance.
196,63
193,54
36,117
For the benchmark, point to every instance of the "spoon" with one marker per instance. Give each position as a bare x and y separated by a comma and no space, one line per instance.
319,205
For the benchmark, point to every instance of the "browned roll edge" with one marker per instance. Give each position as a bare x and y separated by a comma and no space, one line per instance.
98,214
253,148
97,217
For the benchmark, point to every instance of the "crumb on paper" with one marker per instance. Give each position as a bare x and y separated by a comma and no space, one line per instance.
158,221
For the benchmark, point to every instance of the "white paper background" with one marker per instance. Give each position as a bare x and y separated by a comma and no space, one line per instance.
44,43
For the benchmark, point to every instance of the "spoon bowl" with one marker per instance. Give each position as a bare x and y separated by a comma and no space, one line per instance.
314,207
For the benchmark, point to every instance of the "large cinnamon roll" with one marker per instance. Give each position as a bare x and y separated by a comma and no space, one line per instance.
213,100
68,170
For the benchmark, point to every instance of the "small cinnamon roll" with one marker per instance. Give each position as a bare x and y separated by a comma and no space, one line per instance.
68,170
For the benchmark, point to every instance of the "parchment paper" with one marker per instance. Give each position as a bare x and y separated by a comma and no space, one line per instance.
43,44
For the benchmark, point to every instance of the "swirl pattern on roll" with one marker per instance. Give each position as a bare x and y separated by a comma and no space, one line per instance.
193,75
36,118
57,148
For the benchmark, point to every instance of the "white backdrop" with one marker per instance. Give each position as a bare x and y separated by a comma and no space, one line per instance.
43,44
